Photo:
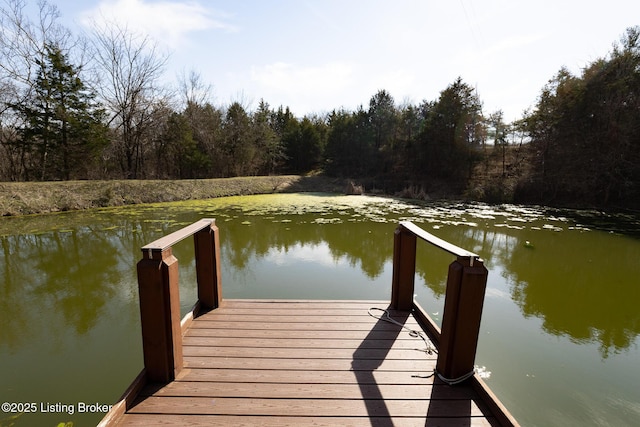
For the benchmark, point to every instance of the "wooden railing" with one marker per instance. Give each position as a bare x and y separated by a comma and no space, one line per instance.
162,329
466,283
160,299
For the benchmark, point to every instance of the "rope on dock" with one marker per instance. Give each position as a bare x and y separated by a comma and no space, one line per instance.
430,349
453,381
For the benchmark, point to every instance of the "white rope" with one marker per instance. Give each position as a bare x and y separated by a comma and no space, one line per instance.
430,349
453,381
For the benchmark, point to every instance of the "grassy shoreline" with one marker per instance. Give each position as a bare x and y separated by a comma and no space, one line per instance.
26,198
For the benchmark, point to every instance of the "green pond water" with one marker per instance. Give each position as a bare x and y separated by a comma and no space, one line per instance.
559,334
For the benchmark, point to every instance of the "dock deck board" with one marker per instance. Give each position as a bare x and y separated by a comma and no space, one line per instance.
279,363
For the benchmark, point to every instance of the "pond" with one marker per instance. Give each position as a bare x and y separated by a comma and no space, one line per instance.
559,334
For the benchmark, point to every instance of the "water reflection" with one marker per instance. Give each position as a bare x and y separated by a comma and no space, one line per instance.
68,281
354,242
587,288
582,284
72,273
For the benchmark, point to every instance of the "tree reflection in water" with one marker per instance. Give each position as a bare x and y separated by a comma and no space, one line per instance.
67,280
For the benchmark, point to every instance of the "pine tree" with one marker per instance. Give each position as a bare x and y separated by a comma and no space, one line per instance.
62,123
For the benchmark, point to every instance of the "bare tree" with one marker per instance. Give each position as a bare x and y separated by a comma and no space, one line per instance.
129,68
193,90
22,42
22,47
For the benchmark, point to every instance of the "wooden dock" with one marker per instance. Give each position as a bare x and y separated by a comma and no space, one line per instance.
289,362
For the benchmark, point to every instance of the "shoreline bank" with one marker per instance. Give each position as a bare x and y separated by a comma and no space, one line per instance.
28,198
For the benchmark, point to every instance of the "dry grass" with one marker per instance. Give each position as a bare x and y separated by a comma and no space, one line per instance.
495,182
23,198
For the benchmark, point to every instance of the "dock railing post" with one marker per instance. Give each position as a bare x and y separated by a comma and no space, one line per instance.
160,295
466,284
404,269
160,314
207,253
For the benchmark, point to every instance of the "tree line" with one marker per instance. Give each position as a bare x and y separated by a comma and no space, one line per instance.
94,107
585,132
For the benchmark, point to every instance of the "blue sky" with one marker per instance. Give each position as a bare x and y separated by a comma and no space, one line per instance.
314,56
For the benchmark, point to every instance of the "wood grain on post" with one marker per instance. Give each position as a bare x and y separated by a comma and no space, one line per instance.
160,315
464,299
207,253
404,268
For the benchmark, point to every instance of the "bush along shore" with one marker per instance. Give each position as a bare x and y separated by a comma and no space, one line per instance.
25,198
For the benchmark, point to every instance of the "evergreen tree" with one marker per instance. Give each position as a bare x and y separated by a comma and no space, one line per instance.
269,145
62,121
404,153
237,146
383,119
308,147
349,148
585,132
205,123
183,158
452,134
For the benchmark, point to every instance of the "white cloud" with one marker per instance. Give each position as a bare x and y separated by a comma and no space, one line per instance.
168,22
291,78
304,88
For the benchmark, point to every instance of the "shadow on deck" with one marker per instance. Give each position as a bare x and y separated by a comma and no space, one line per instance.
286,362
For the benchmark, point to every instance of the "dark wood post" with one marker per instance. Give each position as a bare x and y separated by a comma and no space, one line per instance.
207,250
463,303
404,269
160,314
